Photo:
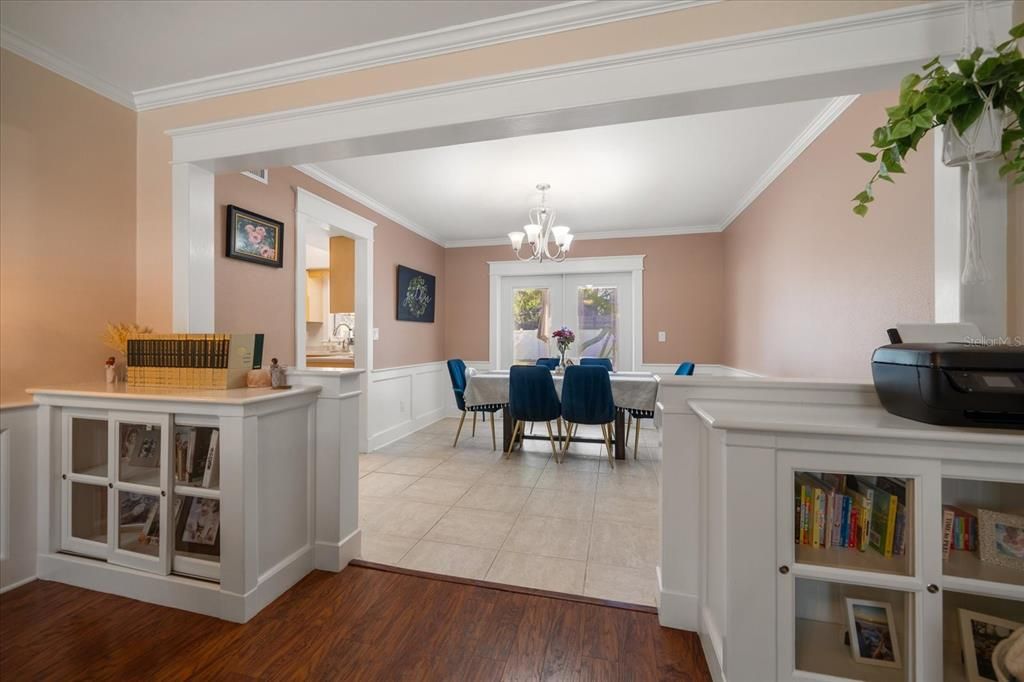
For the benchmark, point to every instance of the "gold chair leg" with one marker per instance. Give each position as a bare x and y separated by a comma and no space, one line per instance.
494,439
512,442
473,434
636,441
608,444
551,438
457,432
565,443
559,429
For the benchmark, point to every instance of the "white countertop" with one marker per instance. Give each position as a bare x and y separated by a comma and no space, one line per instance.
121,390
844,420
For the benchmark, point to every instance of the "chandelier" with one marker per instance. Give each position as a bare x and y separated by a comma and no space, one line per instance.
540,232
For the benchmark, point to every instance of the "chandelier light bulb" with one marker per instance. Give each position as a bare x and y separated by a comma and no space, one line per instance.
532,232
568,243
560,232
517,239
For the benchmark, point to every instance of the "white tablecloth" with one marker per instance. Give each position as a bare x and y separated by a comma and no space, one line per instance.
630,390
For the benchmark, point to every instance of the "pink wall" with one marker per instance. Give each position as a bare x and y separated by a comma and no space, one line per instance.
256,298
67,227
684,281
812,287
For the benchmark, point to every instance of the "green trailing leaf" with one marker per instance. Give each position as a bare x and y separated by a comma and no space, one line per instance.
1017,31
891,161
909,82
939,103
966,67
861,210
935,62
968,113
977,53
870,158
903,129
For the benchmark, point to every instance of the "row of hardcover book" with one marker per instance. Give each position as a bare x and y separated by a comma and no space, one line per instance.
959,530
842,510
193,360
196,456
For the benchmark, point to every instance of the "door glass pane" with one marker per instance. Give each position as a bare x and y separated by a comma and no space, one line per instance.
598,313
139,451
531,325
857,522
138,523
197,527
983,530
89,512
89,446
853,632
973,627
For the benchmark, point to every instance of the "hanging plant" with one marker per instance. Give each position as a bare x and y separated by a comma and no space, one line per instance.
984,88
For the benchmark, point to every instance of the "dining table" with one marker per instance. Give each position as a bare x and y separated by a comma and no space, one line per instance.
630,391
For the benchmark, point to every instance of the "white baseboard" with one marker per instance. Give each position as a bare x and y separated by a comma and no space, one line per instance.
403,400
677,609
334,557
16,585
278,580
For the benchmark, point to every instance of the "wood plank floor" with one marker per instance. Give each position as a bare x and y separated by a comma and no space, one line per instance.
360,624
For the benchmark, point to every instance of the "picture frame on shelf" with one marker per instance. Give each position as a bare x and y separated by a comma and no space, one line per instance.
979,635
254,238
198,526
873,638
1001,539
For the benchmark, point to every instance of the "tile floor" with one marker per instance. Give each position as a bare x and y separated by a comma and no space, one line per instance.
576,527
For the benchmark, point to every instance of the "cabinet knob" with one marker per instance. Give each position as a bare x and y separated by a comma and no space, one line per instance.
64,476
783,570
933,588
110,485
163,493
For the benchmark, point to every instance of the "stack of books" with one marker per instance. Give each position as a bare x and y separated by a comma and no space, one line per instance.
959,530
193,360
845,511
197,456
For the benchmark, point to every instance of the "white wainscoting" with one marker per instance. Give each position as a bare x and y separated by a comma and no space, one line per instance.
405,399
17,495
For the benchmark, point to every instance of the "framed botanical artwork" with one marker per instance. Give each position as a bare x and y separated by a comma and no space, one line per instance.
1001,539
873,633
255,238
979,636
415,296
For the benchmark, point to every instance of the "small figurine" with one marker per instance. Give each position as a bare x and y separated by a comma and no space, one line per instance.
278,376
110,366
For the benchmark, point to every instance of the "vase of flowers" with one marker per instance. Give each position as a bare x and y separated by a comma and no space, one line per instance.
564,337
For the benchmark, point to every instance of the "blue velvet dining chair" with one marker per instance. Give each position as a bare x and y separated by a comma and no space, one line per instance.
550,363
532,398
587,399
685,369
597,362
457,372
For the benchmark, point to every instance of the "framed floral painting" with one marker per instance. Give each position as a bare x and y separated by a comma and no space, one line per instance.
416,295
255,238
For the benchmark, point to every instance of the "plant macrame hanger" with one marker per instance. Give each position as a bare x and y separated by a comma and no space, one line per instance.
974,269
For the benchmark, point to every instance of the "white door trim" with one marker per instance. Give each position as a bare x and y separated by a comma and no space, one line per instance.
359,229
571,266
192,249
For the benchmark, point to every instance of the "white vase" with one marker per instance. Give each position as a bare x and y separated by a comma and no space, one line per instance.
111,374
984,137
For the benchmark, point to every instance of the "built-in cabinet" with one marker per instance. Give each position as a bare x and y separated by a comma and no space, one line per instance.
343,275
201,500
776,605
315,280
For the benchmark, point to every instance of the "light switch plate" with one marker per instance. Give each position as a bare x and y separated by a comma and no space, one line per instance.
661,337
376,334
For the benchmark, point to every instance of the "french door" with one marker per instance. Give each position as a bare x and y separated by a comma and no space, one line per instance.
598,308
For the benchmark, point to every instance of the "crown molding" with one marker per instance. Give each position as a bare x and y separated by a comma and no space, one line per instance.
23,47
322,176
816,127
528,24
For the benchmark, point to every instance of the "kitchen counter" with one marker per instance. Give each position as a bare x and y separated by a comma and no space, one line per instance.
338,359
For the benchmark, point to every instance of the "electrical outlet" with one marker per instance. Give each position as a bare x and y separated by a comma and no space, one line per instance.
376,334
661,337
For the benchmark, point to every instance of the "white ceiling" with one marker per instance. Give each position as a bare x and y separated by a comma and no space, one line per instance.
676,175
140,45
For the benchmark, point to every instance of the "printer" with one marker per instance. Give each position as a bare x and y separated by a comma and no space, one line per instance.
952,383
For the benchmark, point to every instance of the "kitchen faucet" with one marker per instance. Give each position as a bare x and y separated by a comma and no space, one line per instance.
347,338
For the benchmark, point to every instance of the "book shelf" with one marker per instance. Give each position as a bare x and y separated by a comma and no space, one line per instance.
772,605
197,500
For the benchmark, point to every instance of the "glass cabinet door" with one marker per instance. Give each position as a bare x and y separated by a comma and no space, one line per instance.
138,503
859,576
84,483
